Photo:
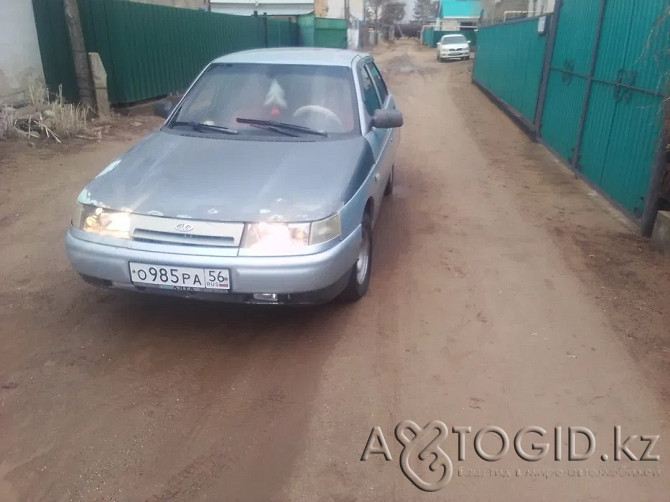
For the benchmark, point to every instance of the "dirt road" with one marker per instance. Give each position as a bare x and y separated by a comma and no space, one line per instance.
504,293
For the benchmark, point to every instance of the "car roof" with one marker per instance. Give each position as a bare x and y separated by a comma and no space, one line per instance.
294,55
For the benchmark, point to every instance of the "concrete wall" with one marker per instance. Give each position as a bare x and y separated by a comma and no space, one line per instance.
335,9
20,61
321,8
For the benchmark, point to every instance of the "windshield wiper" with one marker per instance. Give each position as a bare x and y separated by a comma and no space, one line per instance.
275,129
281,125
201,126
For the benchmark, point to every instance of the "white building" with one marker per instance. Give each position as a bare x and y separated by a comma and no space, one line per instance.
20,60
539,7
338,9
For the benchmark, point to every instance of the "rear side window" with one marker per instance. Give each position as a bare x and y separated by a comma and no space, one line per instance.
378,80
370,97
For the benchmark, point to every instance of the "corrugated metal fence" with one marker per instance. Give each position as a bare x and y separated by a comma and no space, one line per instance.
591,87
330,33
152,50
509,64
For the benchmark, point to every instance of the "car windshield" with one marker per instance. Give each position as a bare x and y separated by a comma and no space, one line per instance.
282,100
454,39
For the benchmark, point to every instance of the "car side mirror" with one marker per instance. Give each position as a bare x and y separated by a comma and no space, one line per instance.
386,119
163,108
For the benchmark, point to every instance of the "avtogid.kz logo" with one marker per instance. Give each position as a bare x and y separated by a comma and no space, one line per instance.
422,449
423,444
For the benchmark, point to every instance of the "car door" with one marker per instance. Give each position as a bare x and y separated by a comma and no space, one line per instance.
392,135
376,137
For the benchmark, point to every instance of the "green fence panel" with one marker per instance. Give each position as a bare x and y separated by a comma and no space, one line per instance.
306,30
621,122
575,40
330,32
55,48
509,63
427,36
151,50
638,116
281,32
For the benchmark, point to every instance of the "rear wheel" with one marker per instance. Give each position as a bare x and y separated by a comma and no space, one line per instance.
359,277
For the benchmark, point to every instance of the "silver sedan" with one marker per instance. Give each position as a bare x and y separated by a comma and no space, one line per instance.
262,186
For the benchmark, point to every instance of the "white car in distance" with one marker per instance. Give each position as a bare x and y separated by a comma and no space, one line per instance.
453,46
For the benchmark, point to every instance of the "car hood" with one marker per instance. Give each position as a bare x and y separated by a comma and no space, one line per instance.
184,176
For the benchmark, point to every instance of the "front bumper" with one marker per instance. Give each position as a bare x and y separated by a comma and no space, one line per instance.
311,278
454,54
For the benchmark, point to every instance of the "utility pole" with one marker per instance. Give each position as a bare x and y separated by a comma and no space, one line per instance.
79,55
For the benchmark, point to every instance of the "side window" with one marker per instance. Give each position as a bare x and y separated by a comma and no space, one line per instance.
378,80
369,93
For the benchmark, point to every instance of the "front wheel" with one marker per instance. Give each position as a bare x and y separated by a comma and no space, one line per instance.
359,277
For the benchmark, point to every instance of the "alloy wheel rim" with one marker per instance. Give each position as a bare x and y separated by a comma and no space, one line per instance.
363,261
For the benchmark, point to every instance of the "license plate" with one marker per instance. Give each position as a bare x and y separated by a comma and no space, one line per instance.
180,278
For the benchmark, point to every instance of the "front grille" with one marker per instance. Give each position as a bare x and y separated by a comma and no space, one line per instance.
187,239
186,232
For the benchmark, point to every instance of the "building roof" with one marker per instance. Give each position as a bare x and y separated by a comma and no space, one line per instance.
460,8
293,55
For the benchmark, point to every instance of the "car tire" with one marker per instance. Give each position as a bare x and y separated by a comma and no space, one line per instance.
388,189
359,276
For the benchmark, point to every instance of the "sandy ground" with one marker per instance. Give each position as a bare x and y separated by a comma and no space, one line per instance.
505,292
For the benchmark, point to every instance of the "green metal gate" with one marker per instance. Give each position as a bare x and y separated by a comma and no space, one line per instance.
603,106
330,33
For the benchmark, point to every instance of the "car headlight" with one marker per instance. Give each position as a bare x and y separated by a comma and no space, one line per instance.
284,239
325,230
97,220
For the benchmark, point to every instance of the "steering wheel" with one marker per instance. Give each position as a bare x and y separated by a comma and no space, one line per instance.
321,110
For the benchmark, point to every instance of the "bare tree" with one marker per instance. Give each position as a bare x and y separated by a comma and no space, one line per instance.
426,10
384,12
